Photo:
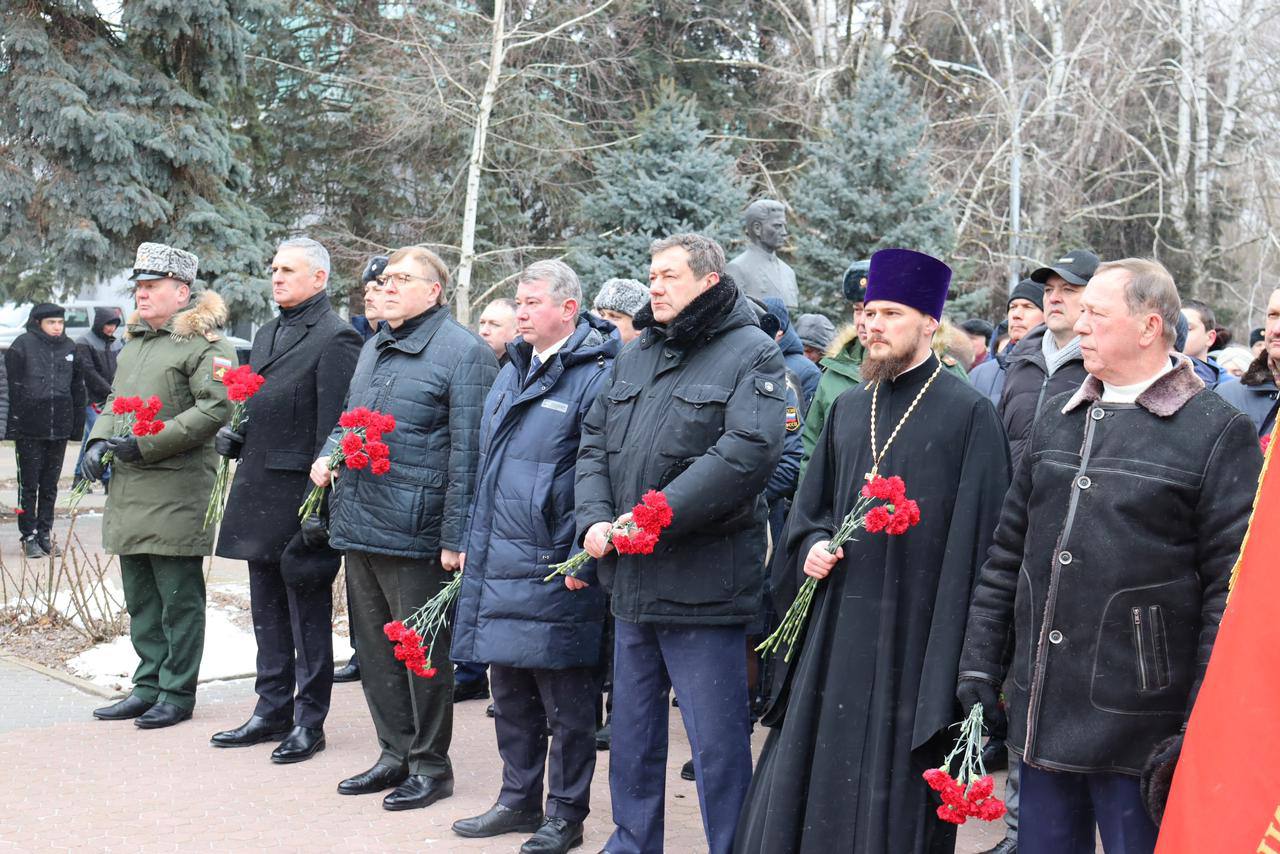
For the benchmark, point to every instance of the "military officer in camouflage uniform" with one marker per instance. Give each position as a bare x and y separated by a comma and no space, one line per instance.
160,484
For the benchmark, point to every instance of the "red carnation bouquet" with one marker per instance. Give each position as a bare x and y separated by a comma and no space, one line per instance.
242,383
132,415
361,446
970,794
637,536
894,516
422,625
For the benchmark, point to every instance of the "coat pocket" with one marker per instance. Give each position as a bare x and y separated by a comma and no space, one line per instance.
622,404
696,419
282,460
1145,658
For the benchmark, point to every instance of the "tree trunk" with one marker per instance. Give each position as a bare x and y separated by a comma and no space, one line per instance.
475,165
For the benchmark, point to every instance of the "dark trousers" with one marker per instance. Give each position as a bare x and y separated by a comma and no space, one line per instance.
525,702
1059,810
39,465
707,666
469,671
413,715
165,599
294,630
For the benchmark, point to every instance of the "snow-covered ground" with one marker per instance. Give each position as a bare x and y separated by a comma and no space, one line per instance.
229,652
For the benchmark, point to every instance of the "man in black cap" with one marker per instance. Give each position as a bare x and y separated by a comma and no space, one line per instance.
979,332
46,408
1047,361
864,705
1026,311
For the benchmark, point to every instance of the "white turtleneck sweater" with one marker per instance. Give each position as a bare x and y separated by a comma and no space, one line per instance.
1131,393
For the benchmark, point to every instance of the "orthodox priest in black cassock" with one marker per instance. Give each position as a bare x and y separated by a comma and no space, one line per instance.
864,706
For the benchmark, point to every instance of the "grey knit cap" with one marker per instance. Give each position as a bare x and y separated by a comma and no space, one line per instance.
625,296
814,330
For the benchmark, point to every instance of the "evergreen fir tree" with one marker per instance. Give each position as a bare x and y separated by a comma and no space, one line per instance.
120,133
669,178
866,188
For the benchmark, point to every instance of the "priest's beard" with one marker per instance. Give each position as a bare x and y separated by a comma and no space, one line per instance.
901,356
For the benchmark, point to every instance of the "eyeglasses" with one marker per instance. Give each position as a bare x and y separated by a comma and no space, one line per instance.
399,280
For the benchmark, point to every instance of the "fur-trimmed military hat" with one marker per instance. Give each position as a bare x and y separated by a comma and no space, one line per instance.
158,261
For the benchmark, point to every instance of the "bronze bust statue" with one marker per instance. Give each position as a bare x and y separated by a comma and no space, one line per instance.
759,271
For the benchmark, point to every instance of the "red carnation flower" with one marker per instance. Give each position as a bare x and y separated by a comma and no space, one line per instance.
125,405
990,810
377,450
394,630
156,427
981,788
948,814
351,444
380,467
653,513
357,460
150,409
936,778
431,673
141,428
877,519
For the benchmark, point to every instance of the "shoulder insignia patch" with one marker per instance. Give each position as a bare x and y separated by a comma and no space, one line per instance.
793,419
220,367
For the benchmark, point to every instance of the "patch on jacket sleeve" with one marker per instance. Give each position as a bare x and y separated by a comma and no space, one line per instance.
220,367
793,419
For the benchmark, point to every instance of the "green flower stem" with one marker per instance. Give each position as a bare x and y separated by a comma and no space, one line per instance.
797,616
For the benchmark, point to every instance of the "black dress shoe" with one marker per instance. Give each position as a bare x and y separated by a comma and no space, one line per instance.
303,742
350,672
253,731
1004,846
376,779
556,836
418,791
477,689
31,550
604,736
686,771
162,715
498,820
489,712
130,707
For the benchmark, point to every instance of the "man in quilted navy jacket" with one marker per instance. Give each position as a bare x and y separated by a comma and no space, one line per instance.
403,531
542,640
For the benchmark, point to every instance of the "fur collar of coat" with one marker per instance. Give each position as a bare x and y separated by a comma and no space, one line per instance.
1162,398
206,318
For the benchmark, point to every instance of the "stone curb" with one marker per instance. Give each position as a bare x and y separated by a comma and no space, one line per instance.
63,677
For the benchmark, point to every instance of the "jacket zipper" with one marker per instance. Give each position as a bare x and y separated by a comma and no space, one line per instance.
1141,649
1037,681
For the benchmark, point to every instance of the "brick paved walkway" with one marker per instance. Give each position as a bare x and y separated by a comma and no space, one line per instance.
76,784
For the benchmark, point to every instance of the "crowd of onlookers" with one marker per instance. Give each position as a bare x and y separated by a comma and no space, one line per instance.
516,445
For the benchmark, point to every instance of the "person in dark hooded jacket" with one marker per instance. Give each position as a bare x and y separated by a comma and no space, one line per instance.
96,350
46,408
542,639
694,408
793,352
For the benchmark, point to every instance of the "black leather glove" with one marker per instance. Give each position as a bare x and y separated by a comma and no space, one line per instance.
125,448
228,442
315,532
978,692
91,466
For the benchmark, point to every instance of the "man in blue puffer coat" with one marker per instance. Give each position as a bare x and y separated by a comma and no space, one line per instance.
542,640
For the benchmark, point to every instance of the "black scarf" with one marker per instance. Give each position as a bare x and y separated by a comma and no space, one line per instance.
696,319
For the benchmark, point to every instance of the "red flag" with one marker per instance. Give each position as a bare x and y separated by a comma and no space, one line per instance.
1226,790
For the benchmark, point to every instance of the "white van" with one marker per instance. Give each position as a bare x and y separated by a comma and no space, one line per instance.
79,318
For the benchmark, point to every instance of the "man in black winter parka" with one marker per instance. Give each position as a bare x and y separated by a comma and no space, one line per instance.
96,350
306,356
46,408
695,408
1110,564
403,531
